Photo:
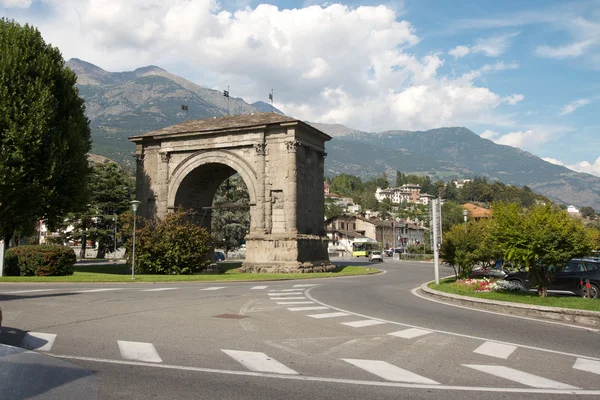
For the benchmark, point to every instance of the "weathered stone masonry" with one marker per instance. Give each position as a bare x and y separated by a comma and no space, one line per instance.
280,159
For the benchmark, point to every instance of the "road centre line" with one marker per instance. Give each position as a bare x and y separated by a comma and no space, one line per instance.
258,287
214,288
583,392
451,333
159,289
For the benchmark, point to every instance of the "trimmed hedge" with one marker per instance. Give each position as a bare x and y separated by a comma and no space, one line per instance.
39,260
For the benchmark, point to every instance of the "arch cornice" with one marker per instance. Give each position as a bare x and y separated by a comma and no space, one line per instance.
203,157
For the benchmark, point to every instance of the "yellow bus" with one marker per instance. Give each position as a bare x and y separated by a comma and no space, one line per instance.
361,247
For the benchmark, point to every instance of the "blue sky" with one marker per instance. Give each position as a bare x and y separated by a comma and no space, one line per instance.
520,73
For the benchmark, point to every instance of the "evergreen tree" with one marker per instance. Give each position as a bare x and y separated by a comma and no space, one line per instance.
231,215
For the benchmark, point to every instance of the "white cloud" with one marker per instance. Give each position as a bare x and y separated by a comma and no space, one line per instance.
582,166
459,51
553,161
326,63
572,50
574,105
491,47
15,3
489,134
531,137
514,99
587,167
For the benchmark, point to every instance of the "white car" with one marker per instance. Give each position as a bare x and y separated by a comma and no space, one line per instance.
375,255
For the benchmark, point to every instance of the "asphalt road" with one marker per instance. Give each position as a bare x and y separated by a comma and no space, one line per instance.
352,338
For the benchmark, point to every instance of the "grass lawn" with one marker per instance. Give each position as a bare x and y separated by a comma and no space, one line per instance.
228,271
553,300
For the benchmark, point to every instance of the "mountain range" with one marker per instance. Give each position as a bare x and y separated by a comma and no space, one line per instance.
123,104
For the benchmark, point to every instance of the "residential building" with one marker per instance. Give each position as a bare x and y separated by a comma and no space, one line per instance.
411,193
461,183
425,198
344,229
327,188
572,210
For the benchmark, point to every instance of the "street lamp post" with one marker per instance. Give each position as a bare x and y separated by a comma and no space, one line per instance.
115,234
465,213
134,206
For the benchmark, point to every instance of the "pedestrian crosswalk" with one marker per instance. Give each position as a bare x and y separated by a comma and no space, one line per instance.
367,369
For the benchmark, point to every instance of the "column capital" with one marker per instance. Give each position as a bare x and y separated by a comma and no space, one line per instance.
292,145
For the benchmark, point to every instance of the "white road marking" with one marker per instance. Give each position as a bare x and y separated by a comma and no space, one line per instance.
520,377
96,290
329,315
159,289
586,365
139,351
214,288
460,334
308,308
259,362
272,294
294,302
285,290
305,285
258,287
415,290
389,372
494,349
288,298
365,322
364,383
28,291
410,333
38,341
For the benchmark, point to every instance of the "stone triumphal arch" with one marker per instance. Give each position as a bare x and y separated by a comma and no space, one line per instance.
280,160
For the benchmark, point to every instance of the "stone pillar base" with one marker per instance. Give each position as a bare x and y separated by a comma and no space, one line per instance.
284,253
286,267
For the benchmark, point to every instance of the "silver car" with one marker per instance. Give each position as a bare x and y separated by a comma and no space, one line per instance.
375,255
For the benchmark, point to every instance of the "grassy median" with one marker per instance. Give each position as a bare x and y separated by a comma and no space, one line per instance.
228,271
553,300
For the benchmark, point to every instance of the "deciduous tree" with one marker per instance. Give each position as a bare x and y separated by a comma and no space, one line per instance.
44,134
542,239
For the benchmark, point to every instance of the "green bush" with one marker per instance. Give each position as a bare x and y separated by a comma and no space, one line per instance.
173,245
39,260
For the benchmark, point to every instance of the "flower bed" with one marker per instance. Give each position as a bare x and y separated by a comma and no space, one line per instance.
488,285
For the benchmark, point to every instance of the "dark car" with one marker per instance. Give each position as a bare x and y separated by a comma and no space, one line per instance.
569,279
219,256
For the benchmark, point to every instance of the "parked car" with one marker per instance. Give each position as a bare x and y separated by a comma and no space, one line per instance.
375,255
569,279
219,256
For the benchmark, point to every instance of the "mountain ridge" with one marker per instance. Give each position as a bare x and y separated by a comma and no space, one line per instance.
124,104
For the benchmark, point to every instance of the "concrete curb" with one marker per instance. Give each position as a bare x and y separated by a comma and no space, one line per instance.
576,317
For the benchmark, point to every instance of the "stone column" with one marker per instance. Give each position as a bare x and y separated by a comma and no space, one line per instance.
163,190
259,209
140,181
291,197
321,171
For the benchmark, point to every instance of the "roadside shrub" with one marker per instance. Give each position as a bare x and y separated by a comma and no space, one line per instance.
173,245
39,260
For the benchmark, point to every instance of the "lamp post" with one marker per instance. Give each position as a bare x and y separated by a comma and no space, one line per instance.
134,206
115,237
465,214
